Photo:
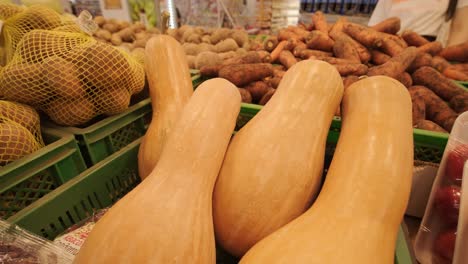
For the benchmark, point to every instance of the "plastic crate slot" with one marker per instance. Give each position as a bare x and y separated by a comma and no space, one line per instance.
79,215
72,221
98,200
90,201
83,205
52,226
64,226
125,136
44,233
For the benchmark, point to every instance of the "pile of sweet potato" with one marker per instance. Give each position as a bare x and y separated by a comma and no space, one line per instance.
357,50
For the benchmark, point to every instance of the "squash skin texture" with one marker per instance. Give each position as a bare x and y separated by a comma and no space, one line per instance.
356,217
168,217
170,88
273,166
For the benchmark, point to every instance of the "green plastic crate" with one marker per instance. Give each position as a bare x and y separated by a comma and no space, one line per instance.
428,146
99,140
101,186
26,180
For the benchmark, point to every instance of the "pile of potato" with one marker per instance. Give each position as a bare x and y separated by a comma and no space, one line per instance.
356,51
131,37
19,131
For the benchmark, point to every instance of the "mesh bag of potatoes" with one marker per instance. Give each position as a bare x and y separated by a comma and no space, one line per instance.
70,76
19,131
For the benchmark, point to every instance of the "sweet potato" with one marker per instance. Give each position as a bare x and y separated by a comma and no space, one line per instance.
379,58
273,82
351,69
405,79
307,53
434,80
455,74
210,71
287,59
277,72
257,90
456,53
421,60
436,109
318,40
461,66
459,103
345,50
391,47
396,65
226,45
207,58
390,25
419,107
245,95
264,56
270,44
413,38
302,33
429,125
432,48
348,80
242,74
249,57
439,63
319,21
267,97
364,35
299,47
333,60
337,27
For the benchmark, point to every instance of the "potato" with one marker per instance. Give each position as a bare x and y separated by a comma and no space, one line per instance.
100,20
226,45
191,61
240,37
154,30
111,27
206,39
15,142
206,47
241,51
194,38
24,83
190,49
139,55
22,114
220,34
103,34
111,101
227,55
123,24
138,27
207,58
127,34
62,77
68,112
140,35
116,40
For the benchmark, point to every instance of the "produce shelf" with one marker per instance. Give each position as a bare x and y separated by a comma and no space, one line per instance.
26,180
428,146
109,135
101,186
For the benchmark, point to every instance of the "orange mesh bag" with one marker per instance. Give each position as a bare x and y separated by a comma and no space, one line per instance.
19,131
70,76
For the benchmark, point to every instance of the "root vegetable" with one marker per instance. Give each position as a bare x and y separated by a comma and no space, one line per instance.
459,103
128,35
68,112
279,48
219,35
206,47
413,38
22,114
456,53
337,27
243,74
111,27
140,43
264,55
319,21
99,20
344,49
278,73
270,44
298,48
15,142
364,35
333,60
429,125
396,65
116,40
390,25
441,85
405,79
62,77
318,40
245,95
206,39
419,107
284,34
226,45
250,57
432,48
210,71
351,69
103,34
257,90
193,38
287,59
274,82
391,47
267,97
421,60
440,63
379,58
461,66
112,101
306,54
436,109
348,80
207,58
455,74
240,37
190,49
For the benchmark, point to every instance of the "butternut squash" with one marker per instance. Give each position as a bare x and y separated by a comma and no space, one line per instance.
356,216
273,166
170,87
168,217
